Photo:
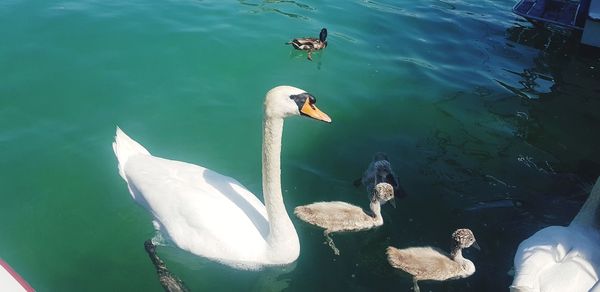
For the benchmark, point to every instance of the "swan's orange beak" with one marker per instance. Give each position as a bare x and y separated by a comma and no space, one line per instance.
312,111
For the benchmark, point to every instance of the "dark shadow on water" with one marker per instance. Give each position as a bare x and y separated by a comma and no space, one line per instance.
561,111
533,84
571,104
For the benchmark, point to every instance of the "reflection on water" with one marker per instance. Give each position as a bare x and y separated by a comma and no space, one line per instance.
564,77
530,162
533,84
550,40
559,115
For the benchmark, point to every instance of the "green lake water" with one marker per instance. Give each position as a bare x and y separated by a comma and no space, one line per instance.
469,101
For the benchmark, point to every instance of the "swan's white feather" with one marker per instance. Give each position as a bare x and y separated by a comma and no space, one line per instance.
125,147
201,211
556,258
559,258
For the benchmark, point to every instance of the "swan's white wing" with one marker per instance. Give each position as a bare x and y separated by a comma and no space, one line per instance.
204,212
558,259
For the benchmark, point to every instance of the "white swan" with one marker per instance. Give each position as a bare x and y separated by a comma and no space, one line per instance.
212,215
559,258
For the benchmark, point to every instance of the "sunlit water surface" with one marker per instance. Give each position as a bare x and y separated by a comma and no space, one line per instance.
470,103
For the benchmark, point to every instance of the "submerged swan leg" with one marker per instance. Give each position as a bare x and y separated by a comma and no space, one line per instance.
416,286
309,55
169,281
329,242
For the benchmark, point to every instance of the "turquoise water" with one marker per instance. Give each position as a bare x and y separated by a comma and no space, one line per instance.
470,103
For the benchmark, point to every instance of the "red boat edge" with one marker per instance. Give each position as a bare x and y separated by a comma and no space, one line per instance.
16,276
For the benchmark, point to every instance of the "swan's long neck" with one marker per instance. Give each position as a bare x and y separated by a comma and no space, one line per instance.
589,215
283,240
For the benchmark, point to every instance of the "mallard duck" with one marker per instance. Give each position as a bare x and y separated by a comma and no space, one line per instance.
380,170
310,44
562,258
212,215
428,263
343,217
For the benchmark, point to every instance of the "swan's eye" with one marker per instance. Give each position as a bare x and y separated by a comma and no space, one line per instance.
301,98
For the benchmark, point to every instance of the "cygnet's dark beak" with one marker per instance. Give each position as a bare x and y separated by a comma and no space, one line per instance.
393,202
475,245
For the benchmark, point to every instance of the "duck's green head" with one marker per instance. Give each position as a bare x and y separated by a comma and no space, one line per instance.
323,35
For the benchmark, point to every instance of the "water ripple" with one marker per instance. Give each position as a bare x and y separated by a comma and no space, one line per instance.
418,62
383,7
265,7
